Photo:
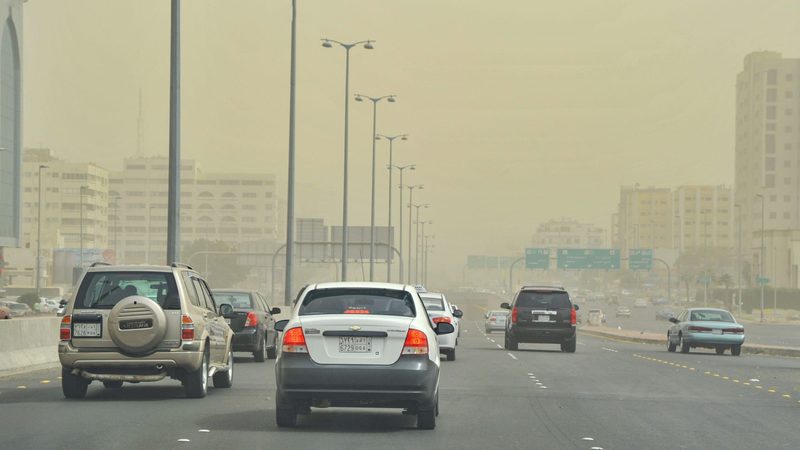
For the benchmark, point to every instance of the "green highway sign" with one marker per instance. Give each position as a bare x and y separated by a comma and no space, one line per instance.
640,259
537,258
763,281
506,261
588,258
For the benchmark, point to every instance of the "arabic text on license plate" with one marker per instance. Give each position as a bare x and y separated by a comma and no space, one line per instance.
355,344
716,331
542,318
86,329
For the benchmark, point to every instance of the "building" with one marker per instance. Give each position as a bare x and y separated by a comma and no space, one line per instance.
568,233
703,217
643,218
767,152
235,208
10,123
74,205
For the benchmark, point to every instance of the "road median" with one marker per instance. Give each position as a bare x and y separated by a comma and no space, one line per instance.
29,344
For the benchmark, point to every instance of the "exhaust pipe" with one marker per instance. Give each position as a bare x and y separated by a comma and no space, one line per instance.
159,367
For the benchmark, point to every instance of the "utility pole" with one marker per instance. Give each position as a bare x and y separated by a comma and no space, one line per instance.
174,199
287,284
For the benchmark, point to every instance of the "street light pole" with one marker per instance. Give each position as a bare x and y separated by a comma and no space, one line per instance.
389,232
410,215
739,258
761,262
81,223
374,100
174,179
39,235
416,243
400,221
289,259
420,248
328,43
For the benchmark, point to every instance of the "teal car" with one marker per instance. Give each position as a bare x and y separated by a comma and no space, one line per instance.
705,328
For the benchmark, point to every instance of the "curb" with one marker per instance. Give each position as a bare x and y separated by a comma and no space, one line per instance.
752,349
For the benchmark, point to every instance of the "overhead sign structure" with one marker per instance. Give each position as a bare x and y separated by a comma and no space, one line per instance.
537,258
589,258
640,259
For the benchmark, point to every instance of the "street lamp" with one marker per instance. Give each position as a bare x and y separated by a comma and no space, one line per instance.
116,222
389,231
419,248
425,259
83,188
761,262
328,43
416,242
39,235
374,100
410,201
739,257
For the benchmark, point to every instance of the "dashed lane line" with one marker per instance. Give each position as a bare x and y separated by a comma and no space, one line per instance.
512,356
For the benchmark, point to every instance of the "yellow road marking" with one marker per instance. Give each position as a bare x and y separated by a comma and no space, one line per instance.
45,381
787,396
22,387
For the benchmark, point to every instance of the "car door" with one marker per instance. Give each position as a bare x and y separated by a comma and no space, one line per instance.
210,317
269,321
224,333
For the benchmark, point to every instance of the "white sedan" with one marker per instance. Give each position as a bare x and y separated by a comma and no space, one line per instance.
358,345
440,311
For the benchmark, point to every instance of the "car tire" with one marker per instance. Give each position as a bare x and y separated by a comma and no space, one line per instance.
285,415
569,346
112,384
684,345
488,331
73,386
272,352
260,355
736,350
224,379
720,350
426,419
511,343
196,383
451,355
671,347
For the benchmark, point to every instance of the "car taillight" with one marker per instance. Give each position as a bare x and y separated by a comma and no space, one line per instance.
416,343
356,311
573,316
514,315
294,341
734,330
699,329
252,319
187,328
442,320
493,319
66,328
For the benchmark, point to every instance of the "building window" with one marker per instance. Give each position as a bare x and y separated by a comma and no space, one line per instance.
787,181
769,181
769,143
787,146
773,215
787,129
789,77
787,215
771,113
789,94
769,163
772,76
787,198
787,163
772,95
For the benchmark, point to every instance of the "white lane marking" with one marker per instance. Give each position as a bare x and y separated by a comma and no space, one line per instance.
539,383
492,340
596,448
184,440
587,439
512,356
22,387
204,431
610,350
499,346
542,387
530,374
581,343
754,380
45,381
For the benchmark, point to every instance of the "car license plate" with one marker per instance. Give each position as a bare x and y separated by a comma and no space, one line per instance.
542,319
355,344
716,331
86,329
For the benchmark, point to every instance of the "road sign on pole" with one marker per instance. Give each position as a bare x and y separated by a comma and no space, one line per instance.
640,259
537,258
763,281
588,258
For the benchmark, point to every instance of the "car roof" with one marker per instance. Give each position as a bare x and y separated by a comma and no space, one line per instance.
363,285
543,288
234,291
431,294
132,268
709,309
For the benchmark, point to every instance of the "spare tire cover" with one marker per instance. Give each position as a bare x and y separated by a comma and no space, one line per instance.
137,324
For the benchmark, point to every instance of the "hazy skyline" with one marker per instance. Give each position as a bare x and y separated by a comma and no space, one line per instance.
516,114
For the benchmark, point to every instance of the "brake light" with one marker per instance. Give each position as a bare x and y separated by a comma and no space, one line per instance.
252,320
734,330
416,343
442,320
356,311
66,328
514,315
699,329
187,328
573,317
294,341
493,319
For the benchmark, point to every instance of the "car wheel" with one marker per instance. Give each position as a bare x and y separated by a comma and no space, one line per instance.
720,350
736,350
488,331
684,345
196,383
112,384
569,346
285,416
451,355
72,385
426,420
511,343
225,379
260,355
671,347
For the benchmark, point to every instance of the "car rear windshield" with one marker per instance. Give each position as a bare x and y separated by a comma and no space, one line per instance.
103,290
711,316
239,300
382,302
432,303
543,299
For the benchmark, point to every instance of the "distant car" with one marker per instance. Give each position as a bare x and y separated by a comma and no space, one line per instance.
495,321
640,303
623,311
542,315
420,289
659,301
5,312
664,314
707,328
439,310
596,317
457,319
17,309
252,322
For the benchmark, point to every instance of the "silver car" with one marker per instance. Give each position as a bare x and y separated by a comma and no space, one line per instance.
495,321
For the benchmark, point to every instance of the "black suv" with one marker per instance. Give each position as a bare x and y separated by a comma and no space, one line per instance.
544,315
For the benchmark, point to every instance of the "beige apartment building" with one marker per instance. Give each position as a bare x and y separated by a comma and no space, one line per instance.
643,218
703,217
568,233
236,208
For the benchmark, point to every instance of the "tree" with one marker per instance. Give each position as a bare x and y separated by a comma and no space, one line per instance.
220,270
726,280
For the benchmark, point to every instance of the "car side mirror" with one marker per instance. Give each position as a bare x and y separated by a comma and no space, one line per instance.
62,303
275,311
458,314
575,305
505,305
444,328
225,309
674,319
281,324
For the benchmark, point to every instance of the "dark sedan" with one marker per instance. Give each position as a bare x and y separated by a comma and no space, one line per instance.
664,314
252,322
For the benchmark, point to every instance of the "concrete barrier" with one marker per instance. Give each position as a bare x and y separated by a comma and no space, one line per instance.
28,344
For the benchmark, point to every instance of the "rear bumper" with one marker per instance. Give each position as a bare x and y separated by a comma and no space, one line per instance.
188,357
246,340
410,382
495,326
708,339
542,335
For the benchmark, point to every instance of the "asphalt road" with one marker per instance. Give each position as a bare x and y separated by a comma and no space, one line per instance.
608,395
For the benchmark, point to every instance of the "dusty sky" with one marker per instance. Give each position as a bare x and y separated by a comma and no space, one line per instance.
518,111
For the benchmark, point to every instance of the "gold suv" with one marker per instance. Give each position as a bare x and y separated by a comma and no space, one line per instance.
144,323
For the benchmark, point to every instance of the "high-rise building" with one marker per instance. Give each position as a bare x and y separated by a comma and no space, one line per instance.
10,124
568,233
643,218
767,177
703,217
235,208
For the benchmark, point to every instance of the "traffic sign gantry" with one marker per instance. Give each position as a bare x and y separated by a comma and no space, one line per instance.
537,258
640,259
588,258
